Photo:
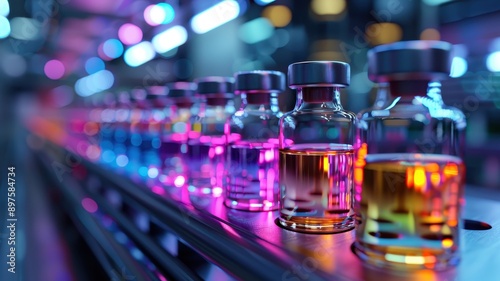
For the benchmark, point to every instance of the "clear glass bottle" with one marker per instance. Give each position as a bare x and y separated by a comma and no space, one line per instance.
252,163
174,132
207,140
409,172
317,145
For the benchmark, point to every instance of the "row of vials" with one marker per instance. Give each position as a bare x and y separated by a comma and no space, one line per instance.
393,171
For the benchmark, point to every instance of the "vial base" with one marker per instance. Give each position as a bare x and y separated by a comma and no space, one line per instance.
252,177
405,258
409,210
316,225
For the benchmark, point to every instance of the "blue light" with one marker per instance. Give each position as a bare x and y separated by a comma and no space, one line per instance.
93,65
493,62
143,171
458,67
4,27
94,83
215,16
112,48
264,2
122,160
169,12
4,8
139,54
256,30
170,39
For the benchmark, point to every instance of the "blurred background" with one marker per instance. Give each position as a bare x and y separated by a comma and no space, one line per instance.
64,52
50,50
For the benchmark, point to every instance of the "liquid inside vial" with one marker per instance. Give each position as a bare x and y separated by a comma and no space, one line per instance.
173,154
253,176
316,182
409,210
206,164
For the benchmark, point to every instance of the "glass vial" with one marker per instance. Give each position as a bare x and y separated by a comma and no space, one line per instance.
252,163
174,132
316,143
409,173
207,141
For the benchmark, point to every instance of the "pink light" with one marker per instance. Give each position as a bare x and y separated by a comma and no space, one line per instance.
269,155
93,152
271,175
205,139
179,181
219,140
54,69
130,34
217,191
158,190
178,137
219,150
194,135
89,205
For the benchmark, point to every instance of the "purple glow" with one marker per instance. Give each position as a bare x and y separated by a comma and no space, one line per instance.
217,191
219,150
204,139
178,137
179,181
54,69
89,205
158,190
130,34
269,155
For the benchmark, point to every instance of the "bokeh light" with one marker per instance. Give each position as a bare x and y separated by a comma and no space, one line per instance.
324,8
130,34
14,65
4,8
278,15
94,83
256,30
212,17
430,34
264,2
25,28
112,49
170,39
458,67
161,13
4,27
383,33
139,54
493,62
94,64
89,205
54,69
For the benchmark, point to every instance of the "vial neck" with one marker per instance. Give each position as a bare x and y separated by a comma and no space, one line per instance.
318,97
217,101
259,101
408,89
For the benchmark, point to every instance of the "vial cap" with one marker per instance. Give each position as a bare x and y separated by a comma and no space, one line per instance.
319,73
410,60
215,85
259,81
180,89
